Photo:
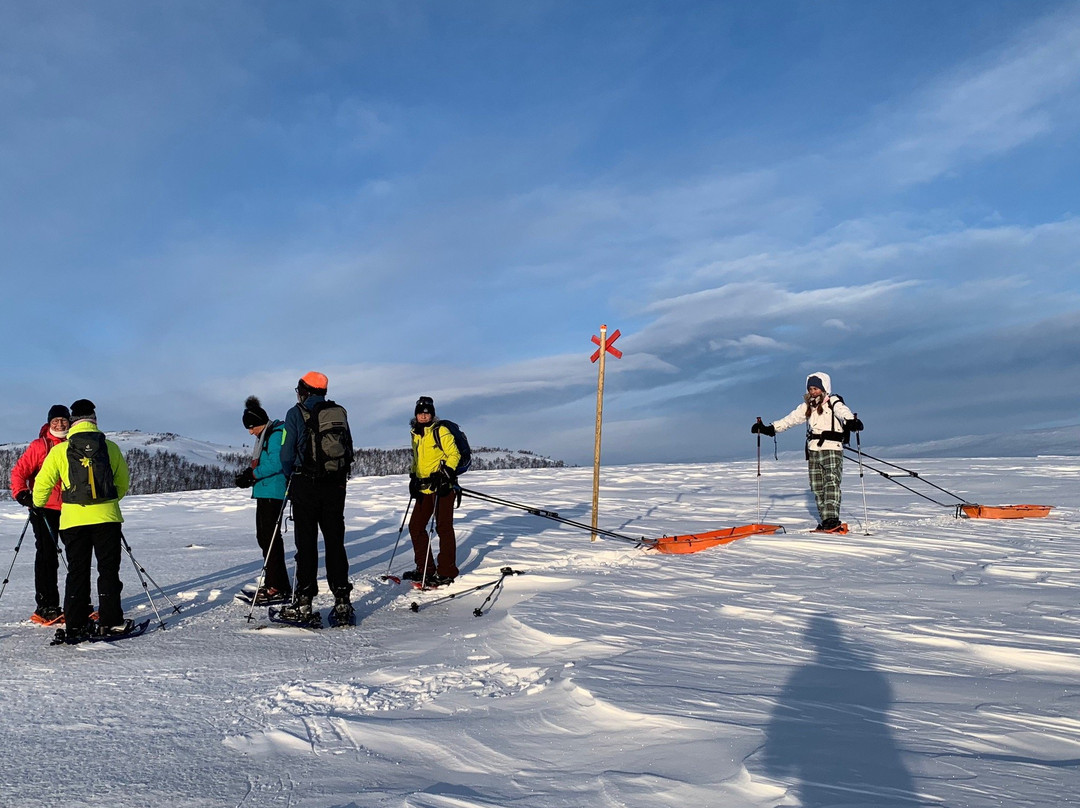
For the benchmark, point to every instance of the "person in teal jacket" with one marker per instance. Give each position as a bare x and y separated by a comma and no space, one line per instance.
268,489
90,520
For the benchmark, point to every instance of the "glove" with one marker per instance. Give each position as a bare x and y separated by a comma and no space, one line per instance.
764,429
245,479
25,498
854,425
414,487
440,482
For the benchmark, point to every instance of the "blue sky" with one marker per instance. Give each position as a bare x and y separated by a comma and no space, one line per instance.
201,201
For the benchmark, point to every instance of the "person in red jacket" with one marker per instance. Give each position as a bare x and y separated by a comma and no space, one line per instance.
46,521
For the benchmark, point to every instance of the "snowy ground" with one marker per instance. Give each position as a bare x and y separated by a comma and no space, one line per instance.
935,661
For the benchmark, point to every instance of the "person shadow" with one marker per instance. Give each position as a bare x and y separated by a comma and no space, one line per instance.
829,731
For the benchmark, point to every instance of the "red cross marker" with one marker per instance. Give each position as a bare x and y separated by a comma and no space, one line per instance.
608,347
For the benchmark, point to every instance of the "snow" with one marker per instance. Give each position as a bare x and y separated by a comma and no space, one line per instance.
918,660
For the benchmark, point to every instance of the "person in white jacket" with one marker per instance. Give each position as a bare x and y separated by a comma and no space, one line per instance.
828,422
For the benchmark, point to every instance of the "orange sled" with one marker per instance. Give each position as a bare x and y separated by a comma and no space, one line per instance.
1005,511
693,542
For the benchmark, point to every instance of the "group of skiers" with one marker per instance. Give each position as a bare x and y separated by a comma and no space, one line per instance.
305,460
72,479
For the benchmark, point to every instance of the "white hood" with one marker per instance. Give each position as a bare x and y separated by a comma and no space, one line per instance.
825,380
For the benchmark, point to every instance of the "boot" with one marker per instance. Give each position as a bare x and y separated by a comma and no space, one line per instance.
298,611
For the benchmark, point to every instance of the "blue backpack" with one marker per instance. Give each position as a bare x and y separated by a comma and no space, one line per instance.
459,439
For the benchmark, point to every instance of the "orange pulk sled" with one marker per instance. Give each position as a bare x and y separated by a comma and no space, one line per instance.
689,543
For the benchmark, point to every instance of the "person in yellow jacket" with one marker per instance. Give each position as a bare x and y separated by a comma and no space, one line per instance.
93,477
432,484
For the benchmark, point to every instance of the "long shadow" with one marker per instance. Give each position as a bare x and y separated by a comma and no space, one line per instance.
479,536
829,733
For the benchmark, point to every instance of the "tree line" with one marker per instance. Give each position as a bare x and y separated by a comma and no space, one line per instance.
164,472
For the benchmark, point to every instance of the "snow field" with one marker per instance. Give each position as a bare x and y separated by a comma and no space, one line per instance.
934,661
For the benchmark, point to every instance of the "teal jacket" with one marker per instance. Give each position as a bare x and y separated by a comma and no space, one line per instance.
269,478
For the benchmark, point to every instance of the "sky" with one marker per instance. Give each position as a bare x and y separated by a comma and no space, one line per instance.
203,201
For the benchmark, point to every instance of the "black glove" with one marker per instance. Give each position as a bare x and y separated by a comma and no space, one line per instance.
854,425
440,482
764,429
245,479
25,498
414,487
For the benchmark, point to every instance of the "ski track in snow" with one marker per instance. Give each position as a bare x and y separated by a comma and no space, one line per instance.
918,660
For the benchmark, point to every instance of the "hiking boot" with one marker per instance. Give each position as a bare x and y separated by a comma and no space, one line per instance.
71,635
298,611
48,615
829,525
413,575
343,609
116,630
434,579
268,596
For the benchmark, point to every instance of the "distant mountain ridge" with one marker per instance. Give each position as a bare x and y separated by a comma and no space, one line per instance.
164,462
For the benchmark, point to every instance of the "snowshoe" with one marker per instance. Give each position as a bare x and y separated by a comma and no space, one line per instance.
264,596
832,526
72,636
434,581
343,613
297,613
48,616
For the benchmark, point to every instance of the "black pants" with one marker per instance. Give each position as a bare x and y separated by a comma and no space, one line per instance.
319,503
267,512
443,508
81,543
46,524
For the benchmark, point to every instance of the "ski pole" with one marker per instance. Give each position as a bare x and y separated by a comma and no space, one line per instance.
56,542
556,518
388,576
269,548
430,528
504,572
141,571
862,481
759,473
17,547
912,474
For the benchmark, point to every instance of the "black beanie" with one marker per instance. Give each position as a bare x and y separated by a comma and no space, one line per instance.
424,404
83,408
59,411
815,381
254,414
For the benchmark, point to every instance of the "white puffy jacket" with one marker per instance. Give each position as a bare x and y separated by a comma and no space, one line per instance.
834,415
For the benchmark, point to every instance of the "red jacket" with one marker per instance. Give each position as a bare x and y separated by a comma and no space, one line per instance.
29,464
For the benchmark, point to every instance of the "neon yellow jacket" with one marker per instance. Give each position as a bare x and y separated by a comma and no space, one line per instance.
55,468
426,454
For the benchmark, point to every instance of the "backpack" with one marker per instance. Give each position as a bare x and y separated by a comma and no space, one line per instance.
327,447
459,439
90,472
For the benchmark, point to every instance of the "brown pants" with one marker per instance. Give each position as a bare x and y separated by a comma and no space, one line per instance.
443,508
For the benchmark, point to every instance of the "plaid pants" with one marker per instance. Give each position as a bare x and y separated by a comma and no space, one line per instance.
826,471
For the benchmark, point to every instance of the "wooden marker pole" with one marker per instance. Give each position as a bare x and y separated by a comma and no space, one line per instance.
600,353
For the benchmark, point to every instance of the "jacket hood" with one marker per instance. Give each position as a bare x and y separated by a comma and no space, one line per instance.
825,380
